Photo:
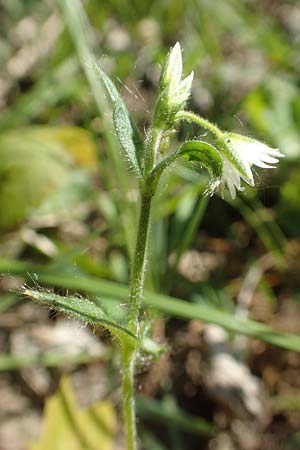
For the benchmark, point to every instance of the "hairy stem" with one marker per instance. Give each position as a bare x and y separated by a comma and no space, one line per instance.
135,297
191,117
139,263
128,363
152,146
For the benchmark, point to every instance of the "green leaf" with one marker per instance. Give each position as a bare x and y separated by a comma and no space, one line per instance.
83,310
77,141
288,402
69,427
127,133
199,152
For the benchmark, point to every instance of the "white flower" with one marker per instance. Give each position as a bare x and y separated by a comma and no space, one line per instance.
240,153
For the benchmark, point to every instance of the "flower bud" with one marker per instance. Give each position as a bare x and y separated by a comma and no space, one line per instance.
174,92
172,71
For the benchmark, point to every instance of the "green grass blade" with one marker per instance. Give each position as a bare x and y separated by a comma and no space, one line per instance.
263,224
83,37
168,305
175,417
7,300
53,87
50,359
187,233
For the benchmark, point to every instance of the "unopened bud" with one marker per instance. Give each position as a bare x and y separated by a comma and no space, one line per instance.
172,71
174,92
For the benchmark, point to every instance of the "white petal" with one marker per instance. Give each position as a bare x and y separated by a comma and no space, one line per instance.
237,158
184,89
231,178
253,152
231,189
240,153
266,158
173,67
264,165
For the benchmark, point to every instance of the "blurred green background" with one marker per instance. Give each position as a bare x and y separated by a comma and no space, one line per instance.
68,211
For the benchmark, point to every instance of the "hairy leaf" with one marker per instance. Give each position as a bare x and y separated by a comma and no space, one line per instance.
84,311
127,133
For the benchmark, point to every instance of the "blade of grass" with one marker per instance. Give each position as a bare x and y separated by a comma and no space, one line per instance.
286,402
6,301
170,306
190,229
175,417
83,38
150,442
273,244
52,88
51,359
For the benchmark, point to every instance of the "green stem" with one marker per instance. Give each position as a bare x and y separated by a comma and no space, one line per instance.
128,355
139,262
152,145
137,288
191,117
128,363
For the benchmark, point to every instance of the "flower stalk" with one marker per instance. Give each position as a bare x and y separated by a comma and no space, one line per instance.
204,123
